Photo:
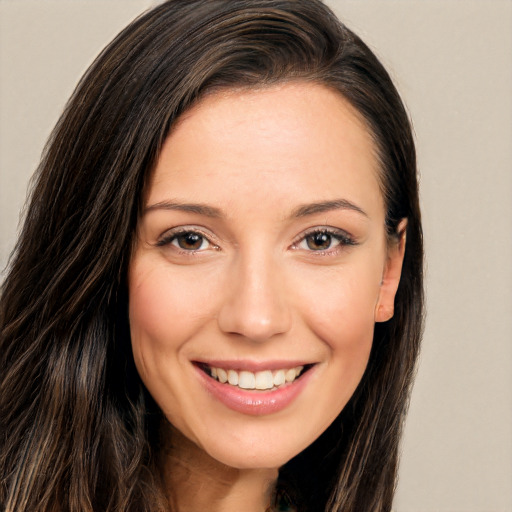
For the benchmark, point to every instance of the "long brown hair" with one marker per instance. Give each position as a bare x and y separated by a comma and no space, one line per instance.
79,432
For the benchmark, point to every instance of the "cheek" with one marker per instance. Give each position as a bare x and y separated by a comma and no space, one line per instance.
342,303
166,308
340,311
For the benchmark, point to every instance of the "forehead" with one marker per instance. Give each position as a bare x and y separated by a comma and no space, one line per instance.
288,142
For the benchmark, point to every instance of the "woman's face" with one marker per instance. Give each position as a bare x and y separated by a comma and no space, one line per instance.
262,258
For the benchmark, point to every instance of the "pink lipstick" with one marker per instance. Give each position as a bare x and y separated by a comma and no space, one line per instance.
256,394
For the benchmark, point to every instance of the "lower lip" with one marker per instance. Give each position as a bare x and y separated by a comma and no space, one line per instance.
255,403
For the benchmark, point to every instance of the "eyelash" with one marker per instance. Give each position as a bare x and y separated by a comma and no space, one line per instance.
342,237
173,235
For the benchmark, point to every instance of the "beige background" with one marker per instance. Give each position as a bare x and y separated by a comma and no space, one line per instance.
452,61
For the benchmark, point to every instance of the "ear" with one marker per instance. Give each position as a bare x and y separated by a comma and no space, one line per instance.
385,307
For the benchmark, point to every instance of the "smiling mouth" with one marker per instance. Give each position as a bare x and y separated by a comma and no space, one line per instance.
266,380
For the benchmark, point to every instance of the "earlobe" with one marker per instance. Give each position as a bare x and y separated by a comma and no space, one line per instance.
385,306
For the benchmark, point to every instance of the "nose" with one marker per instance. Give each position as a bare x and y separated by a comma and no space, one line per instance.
254,305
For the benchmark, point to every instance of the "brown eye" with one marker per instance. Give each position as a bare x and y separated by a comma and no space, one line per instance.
324,241
190,241
319,241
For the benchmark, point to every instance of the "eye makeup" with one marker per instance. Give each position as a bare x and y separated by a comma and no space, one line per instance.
187,239
323,241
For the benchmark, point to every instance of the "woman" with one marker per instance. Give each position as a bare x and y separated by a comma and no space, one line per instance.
216,299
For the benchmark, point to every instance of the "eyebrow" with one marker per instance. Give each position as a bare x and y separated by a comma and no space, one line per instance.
300,211
200,209
325,206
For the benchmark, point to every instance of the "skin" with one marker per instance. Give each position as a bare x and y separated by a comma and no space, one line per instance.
259,287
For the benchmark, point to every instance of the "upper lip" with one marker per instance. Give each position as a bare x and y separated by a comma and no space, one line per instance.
252,366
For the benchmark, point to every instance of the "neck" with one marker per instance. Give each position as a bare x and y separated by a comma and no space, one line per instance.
196,482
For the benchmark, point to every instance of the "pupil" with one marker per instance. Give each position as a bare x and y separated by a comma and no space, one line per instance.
190,241
319,241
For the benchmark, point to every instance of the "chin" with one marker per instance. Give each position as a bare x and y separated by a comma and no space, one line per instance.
268,450
260,459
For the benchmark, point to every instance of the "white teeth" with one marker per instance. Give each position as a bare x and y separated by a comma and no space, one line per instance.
233,377
246,380
262,380
279,378
290,375
222,375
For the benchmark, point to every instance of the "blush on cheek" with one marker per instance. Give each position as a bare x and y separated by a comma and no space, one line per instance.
344,319
153,307
167,307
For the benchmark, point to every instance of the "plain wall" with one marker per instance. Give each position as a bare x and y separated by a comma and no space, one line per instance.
452,62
